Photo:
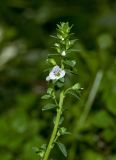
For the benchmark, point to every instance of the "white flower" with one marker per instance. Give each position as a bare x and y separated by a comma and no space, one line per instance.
63,53
56,73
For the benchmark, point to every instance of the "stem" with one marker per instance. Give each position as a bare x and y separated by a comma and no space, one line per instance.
59,113
91,98
88,105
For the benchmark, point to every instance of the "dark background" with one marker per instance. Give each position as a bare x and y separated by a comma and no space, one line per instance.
25,29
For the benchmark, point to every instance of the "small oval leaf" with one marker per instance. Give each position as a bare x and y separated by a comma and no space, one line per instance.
46,96
62,148
76,86
49,91
35,149
48,106
70,63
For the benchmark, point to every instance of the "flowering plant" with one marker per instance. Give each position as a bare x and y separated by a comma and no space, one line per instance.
59,69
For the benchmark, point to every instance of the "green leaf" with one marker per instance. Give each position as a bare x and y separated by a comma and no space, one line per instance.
46,96
61,79
53,36
61,120
76,86
74,94
62,148
49,91
51,61
73,50
43,146
48,107
72,42
51,55
36,149
73,72
54,119
63,131
59,84
70,63
40,151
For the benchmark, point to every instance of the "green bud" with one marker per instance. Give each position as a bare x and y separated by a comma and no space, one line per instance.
52,61
76,86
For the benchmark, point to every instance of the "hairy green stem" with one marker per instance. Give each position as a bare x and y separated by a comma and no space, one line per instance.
54,133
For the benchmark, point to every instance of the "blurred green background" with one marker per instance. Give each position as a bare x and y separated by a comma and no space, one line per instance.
25,29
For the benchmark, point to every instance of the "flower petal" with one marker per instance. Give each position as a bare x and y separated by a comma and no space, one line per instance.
47,78
55,69
62,73
52,75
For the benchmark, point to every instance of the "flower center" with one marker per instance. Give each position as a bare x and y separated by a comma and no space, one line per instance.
57,74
